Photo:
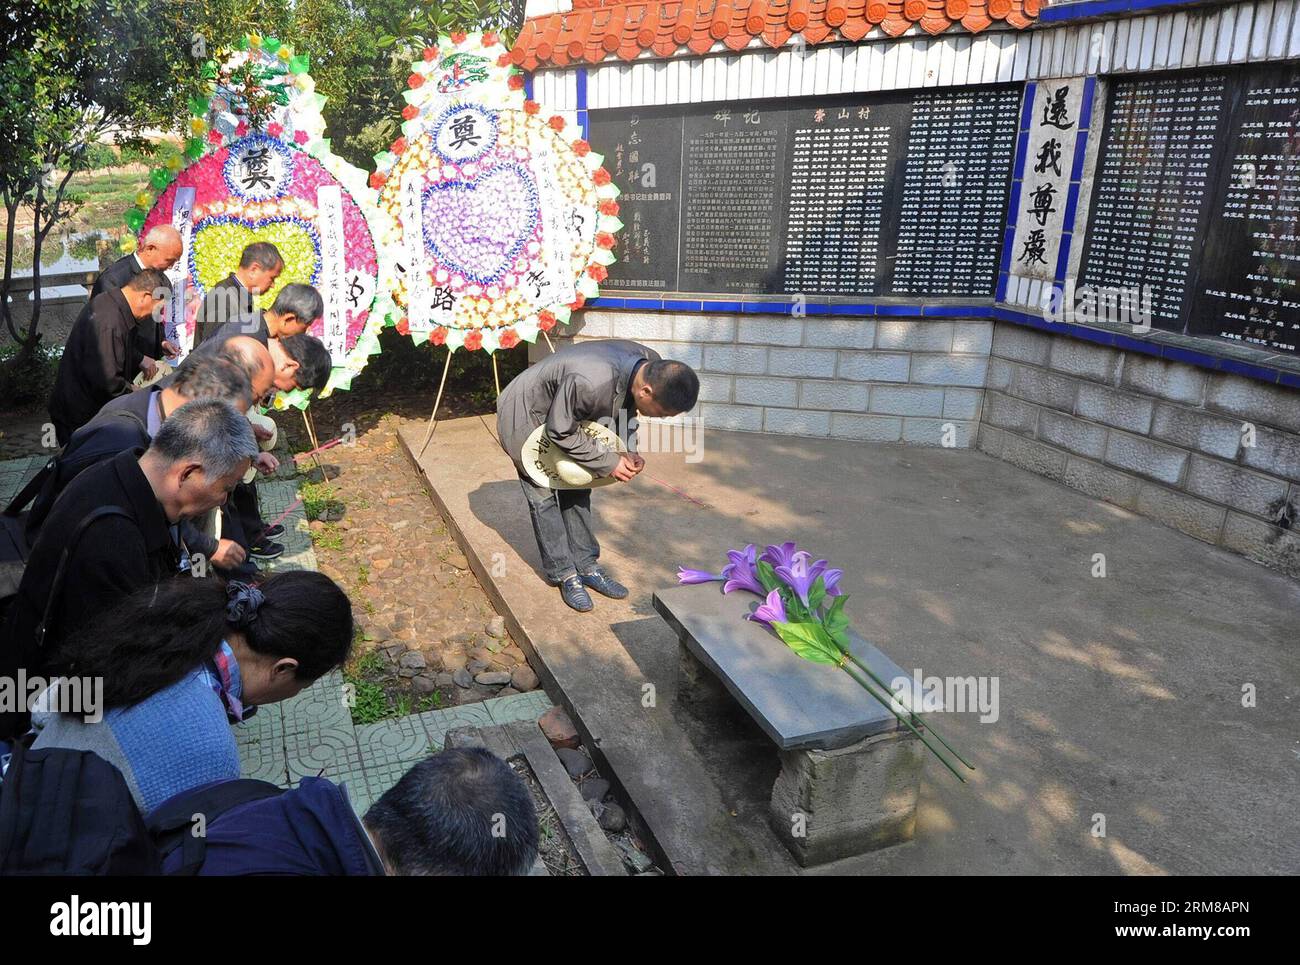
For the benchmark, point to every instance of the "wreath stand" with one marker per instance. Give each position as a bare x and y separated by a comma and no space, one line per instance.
433,419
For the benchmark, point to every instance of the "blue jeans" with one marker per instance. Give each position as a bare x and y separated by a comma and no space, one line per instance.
562,524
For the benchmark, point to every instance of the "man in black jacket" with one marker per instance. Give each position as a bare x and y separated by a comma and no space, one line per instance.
131,422
114,532
160,248
260,265
101,356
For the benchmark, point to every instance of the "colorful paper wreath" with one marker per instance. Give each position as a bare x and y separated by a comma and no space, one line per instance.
260,169
507,221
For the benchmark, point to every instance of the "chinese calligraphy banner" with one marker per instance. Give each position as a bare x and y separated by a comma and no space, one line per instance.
1197,195
1053,128
875,195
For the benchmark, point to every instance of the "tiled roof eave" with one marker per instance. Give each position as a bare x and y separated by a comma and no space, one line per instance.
606,30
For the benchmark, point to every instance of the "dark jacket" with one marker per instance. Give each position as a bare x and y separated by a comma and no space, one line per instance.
116,555
149,334
121,425
99,361
586,382
116,275
220,306
307,830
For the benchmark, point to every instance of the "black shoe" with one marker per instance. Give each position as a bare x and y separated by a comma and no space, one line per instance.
575,594
602,582
273,532
266,550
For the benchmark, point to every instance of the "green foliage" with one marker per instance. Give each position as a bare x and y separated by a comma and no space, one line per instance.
70,72
810,641
328,537
30,383
371,702
100,156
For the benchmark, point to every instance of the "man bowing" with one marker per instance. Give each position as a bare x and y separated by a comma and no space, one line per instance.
101,356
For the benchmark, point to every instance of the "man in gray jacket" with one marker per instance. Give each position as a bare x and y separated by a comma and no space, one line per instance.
610,381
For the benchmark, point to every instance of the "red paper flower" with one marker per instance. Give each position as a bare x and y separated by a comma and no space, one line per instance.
214,136
274,129
404,326
604,239
577,303
581,148
516,82
301,137
609,207
489,38
474,340
508,338
545,320
378,180
597,272
458,37
241,129
414,81
600,176
556,122
398,146
439,336
429,54
410,112
531,107
504,60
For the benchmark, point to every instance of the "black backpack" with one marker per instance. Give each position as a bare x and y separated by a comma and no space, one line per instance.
66,812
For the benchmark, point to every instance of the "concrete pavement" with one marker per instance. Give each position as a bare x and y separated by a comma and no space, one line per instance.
1120,696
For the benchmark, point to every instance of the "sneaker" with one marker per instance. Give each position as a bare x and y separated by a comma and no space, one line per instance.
273,532
602,582
575,594
266,550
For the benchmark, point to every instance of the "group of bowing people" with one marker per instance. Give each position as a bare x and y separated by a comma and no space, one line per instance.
127,584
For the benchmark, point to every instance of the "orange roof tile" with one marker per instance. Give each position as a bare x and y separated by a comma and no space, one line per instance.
596,30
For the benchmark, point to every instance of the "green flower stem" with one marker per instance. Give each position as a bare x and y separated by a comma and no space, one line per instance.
906,723
928,726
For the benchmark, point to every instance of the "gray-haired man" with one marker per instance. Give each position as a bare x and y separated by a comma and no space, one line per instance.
113,530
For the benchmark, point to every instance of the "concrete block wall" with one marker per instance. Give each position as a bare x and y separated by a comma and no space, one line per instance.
911,380
1161,438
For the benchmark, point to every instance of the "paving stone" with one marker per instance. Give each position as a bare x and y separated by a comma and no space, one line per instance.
492,678
462,677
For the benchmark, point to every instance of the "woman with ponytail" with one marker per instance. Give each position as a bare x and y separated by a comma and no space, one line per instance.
178,662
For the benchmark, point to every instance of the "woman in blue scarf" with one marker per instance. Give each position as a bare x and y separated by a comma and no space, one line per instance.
179,662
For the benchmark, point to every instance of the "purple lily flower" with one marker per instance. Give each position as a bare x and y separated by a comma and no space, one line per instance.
800,575
831,579
685,576
782,555
773,611
740,573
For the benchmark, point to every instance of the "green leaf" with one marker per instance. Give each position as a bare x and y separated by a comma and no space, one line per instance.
836,623
816,593
810,641
767,576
